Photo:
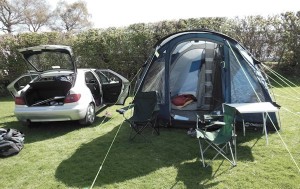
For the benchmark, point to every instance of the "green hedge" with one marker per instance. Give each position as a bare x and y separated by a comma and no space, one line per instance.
126,49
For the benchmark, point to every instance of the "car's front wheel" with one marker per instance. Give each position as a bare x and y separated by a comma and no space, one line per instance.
90,115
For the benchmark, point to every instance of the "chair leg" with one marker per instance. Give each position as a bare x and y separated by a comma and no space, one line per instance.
233,162
133,133
220,150
215,147
201,153
234,144
138,131
155,127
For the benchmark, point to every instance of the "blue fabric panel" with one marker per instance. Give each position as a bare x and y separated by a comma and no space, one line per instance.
195,66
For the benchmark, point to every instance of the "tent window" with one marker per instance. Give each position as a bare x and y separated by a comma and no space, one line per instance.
241,81
155,79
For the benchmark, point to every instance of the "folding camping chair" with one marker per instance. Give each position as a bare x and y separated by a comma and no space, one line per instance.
144,113
220,137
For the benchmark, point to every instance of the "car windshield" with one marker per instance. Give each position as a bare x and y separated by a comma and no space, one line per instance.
49,60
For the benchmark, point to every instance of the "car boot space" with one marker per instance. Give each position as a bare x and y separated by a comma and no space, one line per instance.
47,93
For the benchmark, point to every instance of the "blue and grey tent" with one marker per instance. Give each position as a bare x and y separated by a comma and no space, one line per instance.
203,69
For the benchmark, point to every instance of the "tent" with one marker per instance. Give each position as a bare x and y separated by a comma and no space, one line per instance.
196,71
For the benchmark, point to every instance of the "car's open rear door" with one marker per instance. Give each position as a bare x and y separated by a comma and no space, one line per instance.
114,86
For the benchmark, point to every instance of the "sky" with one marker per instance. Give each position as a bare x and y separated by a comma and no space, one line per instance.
119,13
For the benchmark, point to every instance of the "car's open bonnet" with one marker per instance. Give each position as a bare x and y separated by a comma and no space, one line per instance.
49,57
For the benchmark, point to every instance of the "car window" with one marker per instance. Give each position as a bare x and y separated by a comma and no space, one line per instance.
108,77
103,78
89,77
50,60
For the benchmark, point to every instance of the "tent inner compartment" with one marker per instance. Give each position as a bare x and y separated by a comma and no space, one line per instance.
195,78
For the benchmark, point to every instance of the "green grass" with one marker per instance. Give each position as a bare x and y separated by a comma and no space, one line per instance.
67,155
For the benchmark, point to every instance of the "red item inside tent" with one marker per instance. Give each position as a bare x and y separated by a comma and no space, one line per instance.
183,100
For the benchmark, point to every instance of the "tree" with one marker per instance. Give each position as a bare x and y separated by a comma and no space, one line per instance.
254,32
36,15
291,38
71,17
11,12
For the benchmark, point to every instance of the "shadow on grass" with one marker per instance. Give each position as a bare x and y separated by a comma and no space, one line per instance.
8,116
129,160
47,130
6,98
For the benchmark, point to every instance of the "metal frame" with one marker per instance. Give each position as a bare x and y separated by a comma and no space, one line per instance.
201,134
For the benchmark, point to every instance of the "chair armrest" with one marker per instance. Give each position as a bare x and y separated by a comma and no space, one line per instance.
121,111
124,109
200,133
218,123
214,125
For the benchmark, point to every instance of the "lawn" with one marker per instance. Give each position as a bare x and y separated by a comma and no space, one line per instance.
67,155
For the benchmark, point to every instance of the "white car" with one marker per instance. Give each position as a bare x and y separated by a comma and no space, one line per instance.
58,91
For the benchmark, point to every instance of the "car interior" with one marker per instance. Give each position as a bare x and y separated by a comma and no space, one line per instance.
111,86
93,85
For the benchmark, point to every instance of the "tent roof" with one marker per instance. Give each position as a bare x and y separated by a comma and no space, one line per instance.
172,36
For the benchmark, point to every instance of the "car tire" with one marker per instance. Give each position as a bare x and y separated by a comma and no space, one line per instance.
25,123
90,115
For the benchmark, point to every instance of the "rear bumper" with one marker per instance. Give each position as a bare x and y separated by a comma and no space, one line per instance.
50,113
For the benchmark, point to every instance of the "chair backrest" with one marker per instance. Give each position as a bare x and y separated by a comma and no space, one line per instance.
145,103
225,133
